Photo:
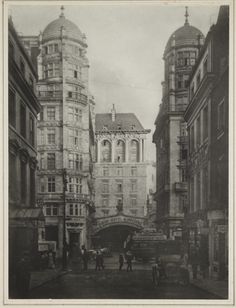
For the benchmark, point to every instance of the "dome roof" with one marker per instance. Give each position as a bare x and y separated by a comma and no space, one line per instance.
186,35
53,29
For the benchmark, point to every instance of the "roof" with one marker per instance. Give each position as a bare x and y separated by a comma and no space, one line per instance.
123,121
185,35
26,213
53,30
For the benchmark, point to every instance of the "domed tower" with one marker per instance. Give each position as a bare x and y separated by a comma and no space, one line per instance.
64,132
180,54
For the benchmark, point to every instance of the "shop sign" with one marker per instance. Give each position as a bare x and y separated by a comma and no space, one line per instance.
222,229
117,220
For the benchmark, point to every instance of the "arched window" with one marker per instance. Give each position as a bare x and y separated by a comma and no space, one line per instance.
134,151
106,151
120,151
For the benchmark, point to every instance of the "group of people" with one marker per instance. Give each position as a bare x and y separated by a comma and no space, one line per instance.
129,258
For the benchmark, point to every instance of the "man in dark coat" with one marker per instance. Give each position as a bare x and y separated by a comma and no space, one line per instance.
84,258
121,261
22,275
129,258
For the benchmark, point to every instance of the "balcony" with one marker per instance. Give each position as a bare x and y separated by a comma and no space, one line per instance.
181,186
49,94
75,96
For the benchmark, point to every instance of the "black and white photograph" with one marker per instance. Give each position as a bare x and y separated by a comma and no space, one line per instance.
118,139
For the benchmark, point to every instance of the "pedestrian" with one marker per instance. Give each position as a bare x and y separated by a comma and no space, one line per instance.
51,260
23,274
98,261
101,260
121,261
129,258
84,258
194,261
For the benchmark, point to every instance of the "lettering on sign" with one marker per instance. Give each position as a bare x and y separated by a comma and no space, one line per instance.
105,223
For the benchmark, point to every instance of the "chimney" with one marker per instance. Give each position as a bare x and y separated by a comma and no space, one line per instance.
113,113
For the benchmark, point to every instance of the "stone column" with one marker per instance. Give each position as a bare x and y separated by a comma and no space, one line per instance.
113,146
98,151
144,150
126,151
140,151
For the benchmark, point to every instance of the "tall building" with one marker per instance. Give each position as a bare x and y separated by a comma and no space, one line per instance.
207,124
120,185
25,219
180,55
65,133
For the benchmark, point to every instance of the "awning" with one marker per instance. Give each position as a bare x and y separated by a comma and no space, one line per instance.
27,214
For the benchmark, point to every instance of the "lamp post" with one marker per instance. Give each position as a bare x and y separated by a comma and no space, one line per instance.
64,252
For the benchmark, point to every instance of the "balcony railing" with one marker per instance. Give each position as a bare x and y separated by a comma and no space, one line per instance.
48,94
77,96
181,186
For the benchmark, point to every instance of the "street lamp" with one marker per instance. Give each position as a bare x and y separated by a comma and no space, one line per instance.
64,252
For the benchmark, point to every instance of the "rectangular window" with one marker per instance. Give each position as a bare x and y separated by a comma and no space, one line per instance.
71,185
51,136
105,171
119,171
205,188
55,47
22,120
221,116
105,202
42,187
205,66
51,184
133,185
41,117
105,187
198,78
75,74
133,201
119,187
23,181
51,161
22,67
32,187
71,209
71,161
51,113
133,171
205,122
31,131
198,137
51,210
31,82
198,192
78,185
192,142
12,108
76,114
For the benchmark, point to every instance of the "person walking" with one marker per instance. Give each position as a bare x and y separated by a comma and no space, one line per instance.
129,258
101,260
84,258
121,261
194,261
98,261
23,274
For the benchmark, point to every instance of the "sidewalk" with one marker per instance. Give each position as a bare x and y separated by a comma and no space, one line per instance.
40,277
216,287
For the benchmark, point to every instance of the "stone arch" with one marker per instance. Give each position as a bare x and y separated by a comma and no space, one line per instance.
134,150
105,150
120,151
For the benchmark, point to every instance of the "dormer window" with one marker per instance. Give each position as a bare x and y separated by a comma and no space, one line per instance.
105,127
119,126
132,126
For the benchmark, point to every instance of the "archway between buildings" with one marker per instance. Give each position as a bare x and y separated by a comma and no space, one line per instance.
113,237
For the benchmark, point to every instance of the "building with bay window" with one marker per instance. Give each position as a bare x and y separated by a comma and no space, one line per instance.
65,132
170,136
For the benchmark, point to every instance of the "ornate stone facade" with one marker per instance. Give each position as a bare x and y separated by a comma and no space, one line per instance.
120,167
170,136
65,133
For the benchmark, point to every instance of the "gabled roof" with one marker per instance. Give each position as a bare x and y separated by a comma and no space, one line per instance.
123,122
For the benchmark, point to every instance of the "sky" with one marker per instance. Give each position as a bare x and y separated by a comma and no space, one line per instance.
126,42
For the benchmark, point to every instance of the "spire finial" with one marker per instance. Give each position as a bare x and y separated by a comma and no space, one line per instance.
186,16
62,11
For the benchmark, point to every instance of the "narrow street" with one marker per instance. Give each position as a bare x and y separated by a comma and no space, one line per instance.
114,284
